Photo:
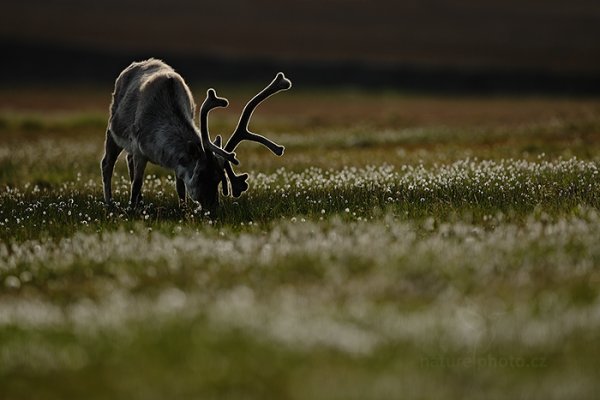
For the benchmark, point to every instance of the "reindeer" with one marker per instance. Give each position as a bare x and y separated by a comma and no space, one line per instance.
152,118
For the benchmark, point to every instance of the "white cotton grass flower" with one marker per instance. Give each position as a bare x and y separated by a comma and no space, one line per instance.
328,284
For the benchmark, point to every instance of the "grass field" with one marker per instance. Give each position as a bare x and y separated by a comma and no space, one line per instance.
405,246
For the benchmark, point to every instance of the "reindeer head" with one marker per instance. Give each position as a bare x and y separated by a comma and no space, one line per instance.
217,166
204,181
208,171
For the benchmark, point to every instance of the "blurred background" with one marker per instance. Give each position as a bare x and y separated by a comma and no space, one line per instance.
473,46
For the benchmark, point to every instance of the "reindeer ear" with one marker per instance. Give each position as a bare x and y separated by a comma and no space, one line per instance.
190,154
194,149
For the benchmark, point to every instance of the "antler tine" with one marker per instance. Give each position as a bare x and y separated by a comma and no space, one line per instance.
224,186
212,101
241,131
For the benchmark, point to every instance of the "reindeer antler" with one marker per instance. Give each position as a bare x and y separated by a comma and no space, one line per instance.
212,101
224,186
241,133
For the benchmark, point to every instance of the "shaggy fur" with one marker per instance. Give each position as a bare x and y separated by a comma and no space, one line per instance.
152,119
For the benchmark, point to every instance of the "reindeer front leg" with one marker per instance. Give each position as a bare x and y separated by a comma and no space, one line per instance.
130,167
180,190
139,166
111,153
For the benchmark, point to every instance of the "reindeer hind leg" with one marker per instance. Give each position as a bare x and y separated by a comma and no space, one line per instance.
111,153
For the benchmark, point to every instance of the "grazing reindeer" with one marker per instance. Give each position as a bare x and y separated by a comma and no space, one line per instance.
151,117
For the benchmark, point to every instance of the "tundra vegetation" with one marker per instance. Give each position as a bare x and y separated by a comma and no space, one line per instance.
405,246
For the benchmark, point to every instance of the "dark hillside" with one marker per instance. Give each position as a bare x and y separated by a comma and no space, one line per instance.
482,46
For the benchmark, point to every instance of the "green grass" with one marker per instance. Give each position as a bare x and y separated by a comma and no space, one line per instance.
443,260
